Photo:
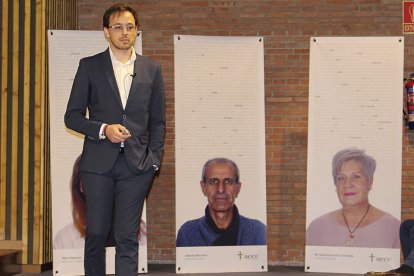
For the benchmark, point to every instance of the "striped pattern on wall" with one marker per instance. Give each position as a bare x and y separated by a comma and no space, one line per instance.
25,213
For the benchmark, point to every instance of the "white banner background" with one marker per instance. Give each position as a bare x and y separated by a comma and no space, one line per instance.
66,48
219,112
355,99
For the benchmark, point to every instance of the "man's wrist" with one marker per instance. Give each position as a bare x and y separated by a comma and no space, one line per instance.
104,130
102,133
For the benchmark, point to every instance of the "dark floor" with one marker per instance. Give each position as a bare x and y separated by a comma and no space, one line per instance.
169,269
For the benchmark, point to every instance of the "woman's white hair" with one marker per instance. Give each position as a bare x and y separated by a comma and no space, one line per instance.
353,153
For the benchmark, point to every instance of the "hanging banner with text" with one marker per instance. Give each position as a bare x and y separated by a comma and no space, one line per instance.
219,113
66,48
354,154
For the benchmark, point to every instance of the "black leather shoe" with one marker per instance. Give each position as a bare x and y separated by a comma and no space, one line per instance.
404,270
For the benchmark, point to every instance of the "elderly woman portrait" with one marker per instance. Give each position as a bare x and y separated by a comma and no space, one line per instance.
357,223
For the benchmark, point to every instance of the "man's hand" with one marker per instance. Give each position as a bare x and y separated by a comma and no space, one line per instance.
117,133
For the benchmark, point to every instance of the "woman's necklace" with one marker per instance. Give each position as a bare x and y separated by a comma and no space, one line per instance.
351,236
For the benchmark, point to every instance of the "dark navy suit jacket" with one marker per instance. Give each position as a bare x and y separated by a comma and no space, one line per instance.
95,100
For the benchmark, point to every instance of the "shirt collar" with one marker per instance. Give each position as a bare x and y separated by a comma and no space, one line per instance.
115,62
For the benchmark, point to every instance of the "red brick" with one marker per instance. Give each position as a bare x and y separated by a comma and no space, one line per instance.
287,27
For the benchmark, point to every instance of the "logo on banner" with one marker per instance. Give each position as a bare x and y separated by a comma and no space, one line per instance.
379,259
247,256
408,17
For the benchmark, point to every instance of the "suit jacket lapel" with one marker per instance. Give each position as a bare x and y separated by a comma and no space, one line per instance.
135,80
110,75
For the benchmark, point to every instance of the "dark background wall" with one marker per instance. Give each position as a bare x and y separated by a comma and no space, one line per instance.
286,26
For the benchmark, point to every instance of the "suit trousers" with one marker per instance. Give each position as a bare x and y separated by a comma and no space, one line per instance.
114,200
407,241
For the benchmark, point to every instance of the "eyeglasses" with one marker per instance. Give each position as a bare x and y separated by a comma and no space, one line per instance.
119,27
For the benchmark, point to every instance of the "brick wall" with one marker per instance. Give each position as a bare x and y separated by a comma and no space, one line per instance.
286,26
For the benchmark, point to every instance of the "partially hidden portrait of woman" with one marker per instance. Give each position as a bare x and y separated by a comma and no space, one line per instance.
357,223
73,234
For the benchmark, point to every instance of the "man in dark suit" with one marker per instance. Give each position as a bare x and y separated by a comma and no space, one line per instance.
117,102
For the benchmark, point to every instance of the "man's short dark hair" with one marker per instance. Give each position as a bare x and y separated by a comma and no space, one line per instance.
117,8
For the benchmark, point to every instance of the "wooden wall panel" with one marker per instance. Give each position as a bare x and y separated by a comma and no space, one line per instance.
26,122
25,214
3,144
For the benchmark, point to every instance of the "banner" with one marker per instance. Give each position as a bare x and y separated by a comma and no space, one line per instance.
219,113
354,154
66,48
